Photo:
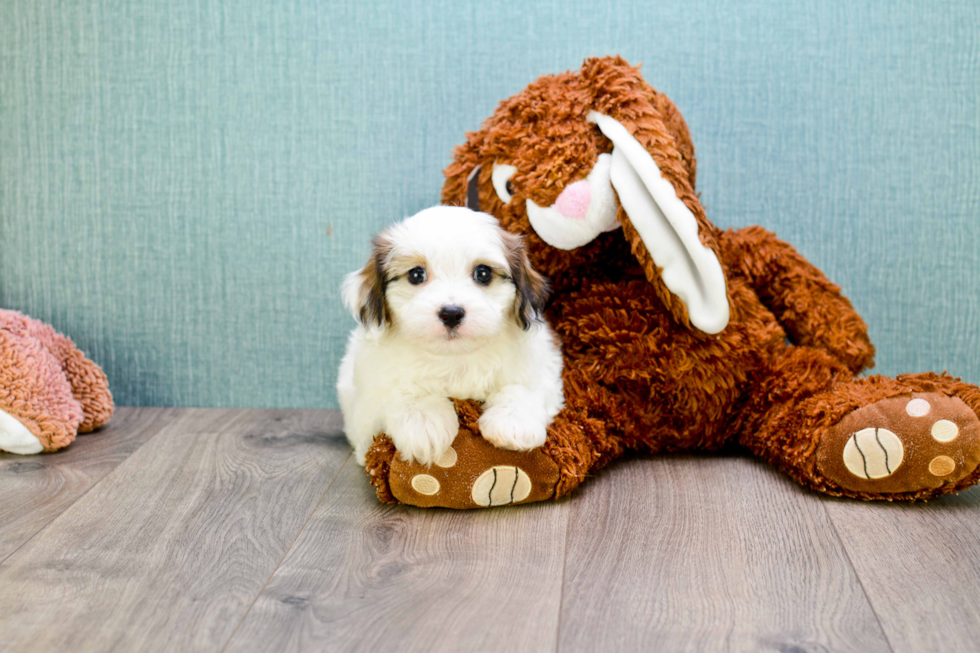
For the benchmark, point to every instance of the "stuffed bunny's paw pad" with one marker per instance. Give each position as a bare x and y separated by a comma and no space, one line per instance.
902,444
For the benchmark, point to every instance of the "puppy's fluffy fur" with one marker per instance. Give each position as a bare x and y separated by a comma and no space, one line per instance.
411,353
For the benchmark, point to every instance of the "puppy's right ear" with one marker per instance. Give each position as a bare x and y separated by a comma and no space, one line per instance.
363,291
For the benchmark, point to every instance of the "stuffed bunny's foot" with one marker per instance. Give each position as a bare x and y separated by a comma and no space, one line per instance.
906,444
17,438
474,474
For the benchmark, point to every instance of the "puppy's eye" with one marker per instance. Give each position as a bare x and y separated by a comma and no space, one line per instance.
416,276
483,275
502,183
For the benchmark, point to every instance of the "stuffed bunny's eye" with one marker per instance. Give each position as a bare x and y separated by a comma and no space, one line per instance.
501,181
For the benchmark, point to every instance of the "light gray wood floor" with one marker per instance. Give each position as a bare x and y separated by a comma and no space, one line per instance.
254,530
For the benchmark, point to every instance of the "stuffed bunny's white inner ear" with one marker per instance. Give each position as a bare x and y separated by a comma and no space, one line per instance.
667,227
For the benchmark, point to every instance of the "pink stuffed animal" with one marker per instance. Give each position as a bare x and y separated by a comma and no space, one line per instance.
49,391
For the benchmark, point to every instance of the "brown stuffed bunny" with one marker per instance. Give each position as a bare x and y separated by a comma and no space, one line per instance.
49,391
674,332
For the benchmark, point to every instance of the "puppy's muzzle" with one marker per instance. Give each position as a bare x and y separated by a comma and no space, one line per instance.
451,316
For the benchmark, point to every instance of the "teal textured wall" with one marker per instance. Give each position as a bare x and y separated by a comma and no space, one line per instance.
184,182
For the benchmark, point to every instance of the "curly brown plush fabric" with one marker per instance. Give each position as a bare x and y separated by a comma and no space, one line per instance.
778,379
47,384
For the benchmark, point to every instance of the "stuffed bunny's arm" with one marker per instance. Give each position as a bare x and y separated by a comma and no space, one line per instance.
809,306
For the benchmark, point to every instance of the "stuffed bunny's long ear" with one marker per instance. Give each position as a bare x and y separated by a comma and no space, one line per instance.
667,227
473,189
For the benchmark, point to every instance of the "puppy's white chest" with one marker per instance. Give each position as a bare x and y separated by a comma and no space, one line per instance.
460,377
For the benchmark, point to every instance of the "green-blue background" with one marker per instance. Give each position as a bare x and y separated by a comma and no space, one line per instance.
184,182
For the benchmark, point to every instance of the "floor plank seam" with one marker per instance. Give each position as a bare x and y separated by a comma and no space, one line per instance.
850,563
76,500
285,553
561,596
48,525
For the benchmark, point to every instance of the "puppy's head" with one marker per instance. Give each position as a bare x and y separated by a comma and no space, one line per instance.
448,278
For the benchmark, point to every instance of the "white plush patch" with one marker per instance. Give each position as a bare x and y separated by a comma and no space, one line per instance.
945,431
873,453
501,485
16,438
500,175
566,233
669,230
918,407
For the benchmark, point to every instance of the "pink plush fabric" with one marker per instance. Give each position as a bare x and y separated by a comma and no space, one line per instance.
574,200
48,384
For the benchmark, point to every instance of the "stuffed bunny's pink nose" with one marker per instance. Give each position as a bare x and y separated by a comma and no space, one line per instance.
574,200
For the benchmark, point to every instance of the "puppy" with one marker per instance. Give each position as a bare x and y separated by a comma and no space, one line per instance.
448,306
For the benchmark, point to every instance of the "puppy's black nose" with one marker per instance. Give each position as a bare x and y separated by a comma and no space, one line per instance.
451,316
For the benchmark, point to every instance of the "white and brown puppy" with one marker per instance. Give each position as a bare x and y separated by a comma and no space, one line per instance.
448,307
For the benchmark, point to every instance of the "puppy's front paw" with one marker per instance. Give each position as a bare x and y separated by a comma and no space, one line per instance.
507,426
423,431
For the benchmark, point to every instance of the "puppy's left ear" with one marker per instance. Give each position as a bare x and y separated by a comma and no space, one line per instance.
532,288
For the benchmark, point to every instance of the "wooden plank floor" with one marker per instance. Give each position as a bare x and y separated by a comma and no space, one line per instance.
254,530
